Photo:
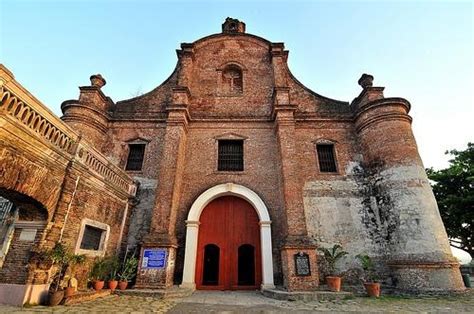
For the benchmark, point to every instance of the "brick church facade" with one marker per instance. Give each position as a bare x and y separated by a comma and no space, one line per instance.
243,172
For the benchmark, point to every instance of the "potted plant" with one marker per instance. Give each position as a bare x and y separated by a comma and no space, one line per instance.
128,271
332,256
113,267
98,273
372,286
74,260
57,256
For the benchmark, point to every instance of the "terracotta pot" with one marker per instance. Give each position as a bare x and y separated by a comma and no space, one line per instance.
373,289
123,285
98,285
69,292
56,297
112,284
334,283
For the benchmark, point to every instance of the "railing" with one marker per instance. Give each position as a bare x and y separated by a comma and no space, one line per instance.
32,119
34,116
99,164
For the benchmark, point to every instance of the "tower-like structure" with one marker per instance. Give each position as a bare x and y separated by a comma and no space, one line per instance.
88,114
413,238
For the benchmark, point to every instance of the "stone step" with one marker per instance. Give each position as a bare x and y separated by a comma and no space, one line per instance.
173,292
86,295
319,295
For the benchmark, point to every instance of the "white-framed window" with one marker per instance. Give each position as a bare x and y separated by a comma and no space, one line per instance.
93,237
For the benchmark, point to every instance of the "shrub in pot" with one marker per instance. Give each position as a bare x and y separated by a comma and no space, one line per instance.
74,261
57,257
332,256
371,284
113,267
98,273
127,272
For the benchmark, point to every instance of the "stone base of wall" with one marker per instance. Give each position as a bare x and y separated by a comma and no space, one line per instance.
427,277
15,294
156,278
292,281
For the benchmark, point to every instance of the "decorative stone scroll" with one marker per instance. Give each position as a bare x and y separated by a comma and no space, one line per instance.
302,266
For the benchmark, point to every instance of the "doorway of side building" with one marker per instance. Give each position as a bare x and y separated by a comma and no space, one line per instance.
228,255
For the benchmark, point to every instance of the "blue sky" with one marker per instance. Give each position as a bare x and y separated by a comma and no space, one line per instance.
419,50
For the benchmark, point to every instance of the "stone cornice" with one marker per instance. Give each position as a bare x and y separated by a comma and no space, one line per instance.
93,89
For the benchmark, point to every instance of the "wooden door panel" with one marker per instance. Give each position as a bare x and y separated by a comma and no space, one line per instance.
228,222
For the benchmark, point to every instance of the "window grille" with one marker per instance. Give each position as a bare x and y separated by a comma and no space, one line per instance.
327,162
91,238
135,157
231,155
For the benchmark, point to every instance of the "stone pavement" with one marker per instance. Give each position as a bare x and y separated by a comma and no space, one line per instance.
253,302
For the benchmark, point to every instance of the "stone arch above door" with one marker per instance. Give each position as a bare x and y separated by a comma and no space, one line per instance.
192,230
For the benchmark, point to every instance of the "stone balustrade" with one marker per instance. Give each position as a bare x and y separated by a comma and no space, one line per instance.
29,114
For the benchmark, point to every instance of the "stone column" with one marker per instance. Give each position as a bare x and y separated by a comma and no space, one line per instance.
297,242
267,260
161,237
192,232
413,232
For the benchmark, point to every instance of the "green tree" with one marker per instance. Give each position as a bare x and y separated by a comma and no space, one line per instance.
454,191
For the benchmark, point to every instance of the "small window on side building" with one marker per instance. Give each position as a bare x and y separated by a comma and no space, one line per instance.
326,158
92,238
230,155
135,157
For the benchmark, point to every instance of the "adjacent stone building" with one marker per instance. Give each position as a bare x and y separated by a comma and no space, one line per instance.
243,171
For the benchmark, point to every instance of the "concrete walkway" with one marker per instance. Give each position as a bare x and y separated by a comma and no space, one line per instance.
254,302
229,302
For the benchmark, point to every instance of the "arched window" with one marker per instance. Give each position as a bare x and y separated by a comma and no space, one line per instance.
232,82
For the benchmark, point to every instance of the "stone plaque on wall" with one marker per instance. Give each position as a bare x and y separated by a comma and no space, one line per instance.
302,266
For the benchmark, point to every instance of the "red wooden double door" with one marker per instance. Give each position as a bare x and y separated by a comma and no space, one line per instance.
228,256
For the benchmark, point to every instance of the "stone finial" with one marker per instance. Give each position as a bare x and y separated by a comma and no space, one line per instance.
233,26
97,80
366,80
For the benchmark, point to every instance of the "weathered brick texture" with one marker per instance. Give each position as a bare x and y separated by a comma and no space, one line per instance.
281,122
377,202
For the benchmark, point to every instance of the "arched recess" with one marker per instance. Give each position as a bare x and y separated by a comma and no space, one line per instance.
23,221
192,231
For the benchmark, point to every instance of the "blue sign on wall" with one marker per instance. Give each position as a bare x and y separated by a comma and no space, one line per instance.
154,258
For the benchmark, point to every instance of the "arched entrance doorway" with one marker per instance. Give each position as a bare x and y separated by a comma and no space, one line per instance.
263,266
22,225
228,246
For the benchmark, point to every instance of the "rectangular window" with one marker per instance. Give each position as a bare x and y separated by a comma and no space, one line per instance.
135,157
327,162
231,155
91,238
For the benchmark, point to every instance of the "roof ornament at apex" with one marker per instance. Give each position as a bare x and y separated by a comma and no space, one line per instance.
97,80
233,26
366,80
